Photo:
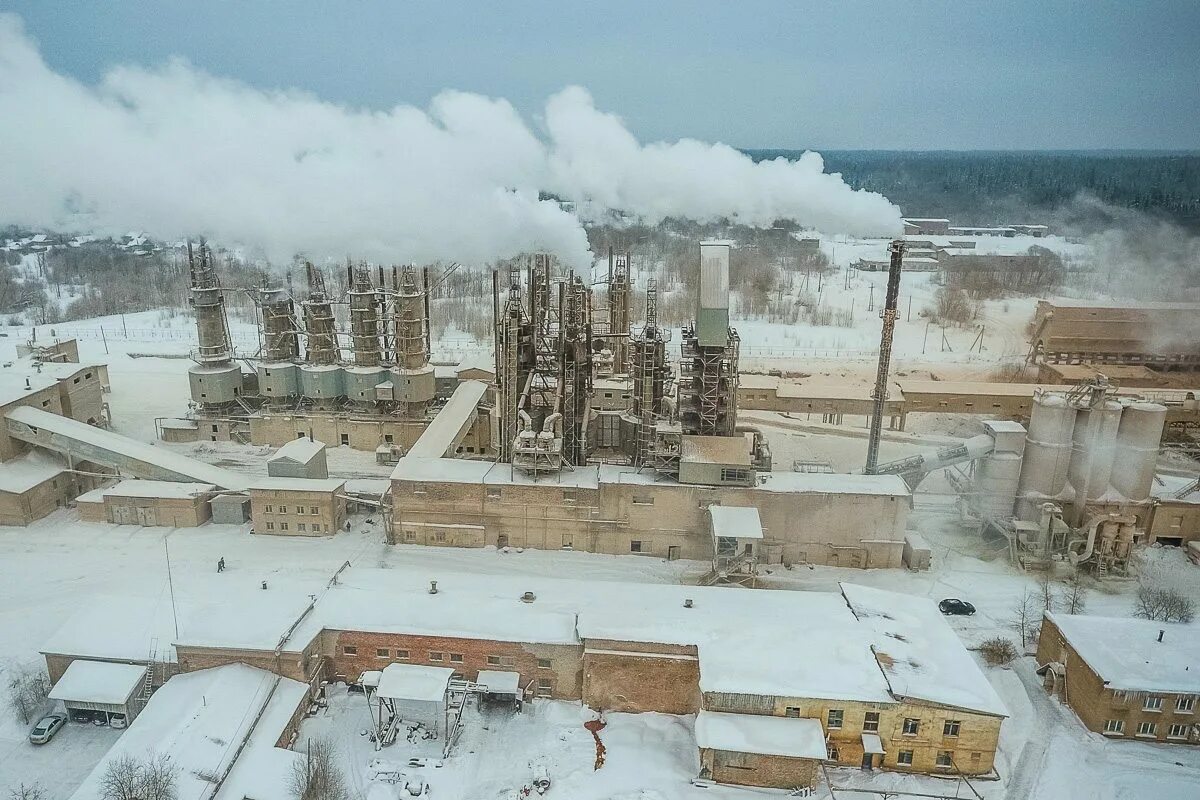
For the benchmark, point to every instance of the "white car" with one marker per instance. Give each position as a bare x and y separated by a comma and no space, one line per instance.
46,727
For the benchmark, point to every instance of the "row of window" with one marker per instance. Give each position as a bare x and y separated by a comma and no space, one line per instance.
301,527
944,760
1177,731
438,656
313,510
1184,704
835,718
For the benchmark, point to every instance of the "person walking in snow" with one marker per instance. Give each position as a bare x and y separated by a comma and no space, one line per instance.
221,564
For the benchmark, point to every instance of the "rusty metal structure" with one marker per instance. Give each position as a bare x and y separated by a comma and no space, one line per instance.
888,314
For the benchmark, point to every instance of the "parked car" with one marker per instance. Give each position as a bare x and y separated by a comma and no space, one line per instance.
952,605
118,721
46,727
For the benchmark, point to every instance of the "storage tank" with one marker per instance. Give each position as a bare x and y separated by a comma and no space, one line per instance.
321,382
1136,456
1092,449
1047,456
360,383
215,384
996,482
414,386
278,381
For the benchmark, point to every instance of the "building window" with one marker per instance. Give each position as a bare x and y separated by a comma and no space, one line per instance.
301,526
349,650
283,526
401,654
314,510
214,428
436,655
439,537
493,661
945,759
1185,704
389,438
904,758
1152,703
911,726
835,718
976,758
270,526
87,375
791,711
345,438
871,722
545,687
1147,729
543,663
1120,696
283,509
493,493
568,541
569,495
950,727
267,509
735,475
1177,732
1114,726
381,652
643,500
456,658
507,661
410,536
635,546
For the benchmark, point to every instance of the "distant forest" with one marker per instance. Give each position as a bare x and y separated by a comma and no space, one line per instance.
983,187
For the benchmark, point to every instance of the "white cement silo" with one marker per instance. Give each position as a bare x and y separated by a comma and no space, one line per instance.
1094,444
1047,447
996,481
1137,446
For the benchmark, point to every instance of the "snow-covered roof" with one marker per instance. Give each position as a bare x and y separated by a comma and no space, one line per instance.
921,656
500,682
763,735
300,450
272,484
164,490
1126,653
484,362
14,386
736,523
414,682
25,472
715,450
452,422
98,682
205,720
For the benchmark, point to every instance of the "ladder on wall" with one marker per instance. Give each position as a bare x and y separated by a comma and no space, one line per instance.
148,678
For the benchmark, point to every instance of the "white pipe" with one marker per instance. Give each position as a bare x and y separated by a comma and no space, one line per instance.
549,424
526,420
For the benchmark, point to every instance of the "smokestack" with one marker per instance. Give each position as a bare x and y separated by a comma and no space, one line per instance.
885,354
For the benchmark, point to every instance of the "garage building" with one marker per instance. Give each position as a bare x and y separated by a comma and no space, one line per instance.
113,690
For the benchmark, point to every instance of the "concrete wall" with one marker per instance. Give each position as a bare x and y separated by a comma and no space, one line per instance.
636,676
665,520
170,512
1173,519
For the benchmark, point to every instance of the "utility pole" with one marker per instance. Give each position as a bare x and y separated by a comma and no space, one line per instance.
885,354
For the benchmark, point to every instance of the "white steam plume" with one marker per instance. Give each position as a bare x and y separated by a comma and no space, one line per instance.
174,150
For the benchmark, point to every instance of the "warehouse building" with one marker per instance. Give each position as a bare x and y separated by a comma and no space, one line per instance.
297,506
168,504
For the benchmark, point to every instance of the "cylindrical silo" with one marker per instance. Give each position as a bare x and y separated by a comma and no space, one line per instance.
996,481
1137,446
321,383
360,383
1047,456
214,385
1093,445
278,381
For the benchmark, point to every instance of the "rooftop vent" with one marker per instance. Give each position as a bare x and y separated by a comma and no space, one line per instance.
528,597
688,603
433,587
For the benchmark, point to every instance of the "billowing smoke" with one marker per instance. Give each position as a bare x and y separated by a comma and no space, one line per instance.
173,151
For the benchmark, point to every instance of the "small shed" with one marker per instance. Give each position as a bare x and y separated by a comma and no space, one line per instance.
299,458
416,693
737,531
501,686
230,509
171,504
759,750
102,687
917,554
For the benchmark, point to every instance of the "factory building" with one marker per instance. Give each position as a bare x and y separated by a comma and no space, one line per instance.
169,504
297,506
878,681
1159,335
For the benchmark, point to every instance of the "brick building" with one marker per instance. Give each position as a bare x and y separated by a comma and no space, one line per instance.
1124,678
297,506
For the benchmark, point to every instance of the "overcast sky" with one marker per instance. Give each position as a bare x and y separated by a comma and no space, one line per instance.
941,74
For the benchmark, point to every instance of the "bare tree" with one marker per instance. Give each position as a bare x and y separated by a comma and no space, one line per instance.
318,776
1163,604
27,690
27,791
1046,594
1074,598
1026,618
130,778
